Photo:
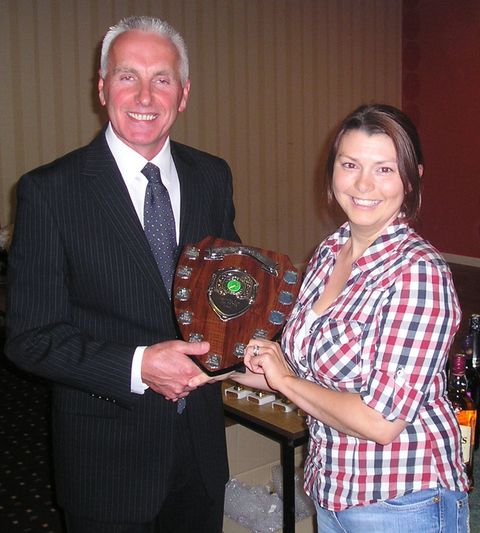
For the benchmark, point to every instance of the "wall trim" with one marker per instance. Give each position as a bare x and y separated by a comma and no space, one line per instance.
462,260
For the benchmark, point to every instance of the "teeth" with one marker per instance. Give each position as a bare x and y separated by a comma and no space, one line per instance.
366,203
140,116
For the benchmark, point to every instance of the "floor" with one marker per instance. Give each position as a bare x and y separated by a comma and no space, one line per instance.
27,501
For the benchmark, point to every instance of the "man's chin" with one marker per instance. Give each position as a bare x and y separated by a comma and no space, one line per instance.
146,146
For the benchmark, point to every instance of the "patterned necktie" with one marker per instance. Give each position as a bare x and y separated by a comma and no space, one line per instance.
159,224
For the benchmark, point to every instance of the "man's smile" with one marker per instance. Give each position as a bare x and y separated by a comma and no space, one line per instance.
143,116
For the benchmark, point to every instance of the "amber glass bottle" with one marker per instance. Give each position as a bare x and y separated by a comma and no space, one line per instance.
464,410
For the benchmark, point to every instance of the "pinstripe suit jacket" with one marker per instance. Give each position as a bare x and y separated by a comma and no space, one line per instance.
84,290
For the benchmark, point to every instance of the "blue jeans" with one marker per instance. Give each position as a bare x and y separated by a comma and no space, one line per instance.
425,511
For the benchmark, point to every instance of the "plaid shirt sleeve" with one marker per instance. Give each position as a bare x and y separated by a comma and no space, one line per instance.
418,320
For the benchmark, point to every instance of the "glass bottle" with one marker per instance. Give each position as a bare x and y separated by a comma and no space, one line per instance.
470,372
474,377
464,410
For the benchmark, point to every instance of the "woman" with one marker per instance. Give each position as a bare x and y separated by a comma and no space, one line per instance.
364,350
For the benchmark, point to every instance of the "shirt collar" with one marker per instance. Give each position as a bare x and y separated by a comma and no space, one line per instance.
378,252
131,163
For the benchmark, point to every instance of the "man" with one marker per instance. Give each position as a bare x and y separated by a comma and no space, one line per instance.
135,448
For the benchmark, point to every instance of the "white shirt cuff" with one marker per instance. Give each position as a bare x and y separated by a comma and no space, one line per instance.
136,384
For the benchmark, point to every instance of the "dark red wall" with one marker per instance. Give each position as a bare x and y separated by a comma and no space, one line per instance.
441,93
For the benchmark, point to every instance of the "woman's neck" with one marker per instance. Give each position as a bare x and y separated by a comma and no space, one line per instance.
361,238
356,246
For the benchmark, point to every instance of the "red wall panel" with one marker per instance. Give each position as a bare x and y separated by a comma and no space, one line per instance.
441,93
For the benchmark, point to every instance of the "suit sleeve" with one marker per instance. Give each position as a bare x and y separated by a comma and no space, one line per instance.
41,335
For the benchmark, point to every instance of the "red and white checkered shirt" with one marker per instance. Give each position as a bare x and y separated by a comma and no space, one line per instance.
386,337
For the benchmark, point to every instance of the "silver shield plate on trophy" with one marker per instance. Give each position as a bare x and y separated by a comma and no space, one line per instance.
231,292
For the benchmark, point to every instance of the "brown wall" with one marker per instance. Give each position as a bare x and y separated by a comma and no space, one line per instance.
270,79
441,91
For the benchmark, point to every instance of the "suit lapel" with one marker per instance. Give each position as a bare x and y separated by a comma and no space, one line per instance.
188,192
109,191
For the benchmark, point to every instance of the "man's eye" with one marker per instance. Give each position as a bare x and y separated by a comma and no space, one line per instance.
126,77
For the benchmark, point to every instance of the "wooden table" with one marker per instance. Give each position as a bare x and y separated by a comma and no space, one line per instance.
288,429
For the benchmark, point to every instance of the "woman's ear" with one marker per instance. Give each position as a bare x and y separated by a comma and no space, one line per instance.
420,170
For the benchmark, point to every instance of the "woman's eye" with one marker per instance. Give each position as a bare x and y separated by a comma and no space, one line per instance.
348,165
385,170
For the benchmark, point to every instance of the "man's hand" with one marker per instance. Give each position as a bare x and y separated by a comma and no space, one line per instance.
167,369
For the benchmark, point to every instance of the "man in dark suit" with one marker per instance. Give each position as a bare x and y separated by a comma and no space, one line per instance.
88,308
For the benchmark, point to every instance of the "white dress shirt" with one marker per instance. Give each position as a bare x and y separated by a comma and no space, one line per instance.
130,164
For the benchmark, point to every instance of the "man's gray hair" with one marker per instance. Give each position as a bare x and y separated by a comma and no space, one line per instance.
151,25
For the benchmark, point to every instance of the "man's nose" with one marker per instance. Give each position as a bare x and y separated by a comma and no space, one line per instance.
144,94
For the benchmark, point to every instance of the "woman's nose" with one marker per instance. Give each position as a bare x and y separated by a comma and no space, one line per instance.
364,182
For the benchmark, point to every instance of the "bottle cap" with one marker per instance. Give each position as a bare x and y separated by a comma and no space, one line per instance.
458,364
475,322
467,345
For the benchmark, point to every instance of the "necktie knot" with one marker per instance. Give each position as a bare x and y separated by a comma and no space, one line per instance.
152,173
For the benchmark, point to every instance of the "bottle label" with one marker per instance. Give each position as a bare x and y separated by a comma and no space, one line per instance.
466,432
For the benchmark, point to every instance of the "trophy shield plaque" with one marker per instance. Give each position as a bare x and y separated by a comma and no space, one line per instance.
227,293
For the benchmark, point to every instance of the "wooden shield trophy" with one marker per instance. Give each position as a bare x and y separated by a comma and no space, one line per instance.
227,293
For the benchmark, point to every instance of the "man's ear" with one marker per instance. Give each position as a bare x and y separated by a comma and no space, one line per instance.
101,94
184,98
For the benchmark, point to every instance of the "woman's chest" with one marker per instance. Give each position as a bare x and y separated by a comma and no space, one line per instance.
335,347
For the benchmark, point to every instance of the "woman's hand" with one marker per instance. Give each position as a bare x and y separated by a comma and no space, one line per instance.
202,378
266,357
